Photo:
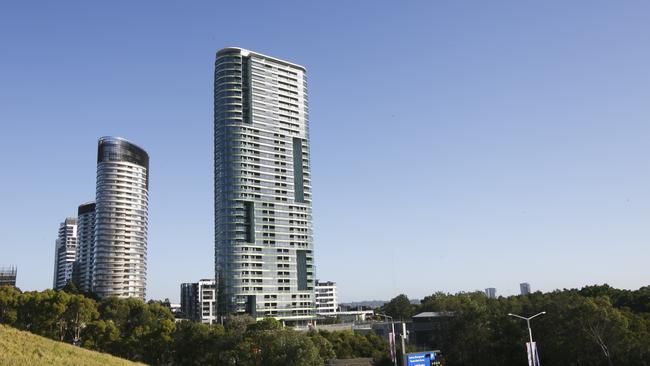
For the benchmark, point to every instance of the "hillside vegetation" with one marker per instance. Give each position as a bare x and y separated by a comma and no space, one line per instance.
147,333
23,348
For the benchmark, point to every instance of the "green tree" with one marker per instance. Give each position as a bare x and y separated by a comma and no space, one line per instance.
42,313
145,329
264,324
9,296
79,312
158,337
594,326
399,307
197,344
71,288
286,347
606,327
101,335
325,348
238,324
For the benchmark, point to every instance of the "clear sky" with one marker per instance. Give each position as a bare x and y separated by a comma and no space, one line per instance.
456,145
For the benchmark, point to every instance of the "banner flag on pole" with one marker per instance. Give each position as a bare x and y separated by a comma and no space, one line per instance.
533,355
391,344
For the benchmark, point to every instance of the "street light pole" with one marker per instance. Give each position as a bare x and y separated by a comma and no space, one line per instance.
530,332
392,325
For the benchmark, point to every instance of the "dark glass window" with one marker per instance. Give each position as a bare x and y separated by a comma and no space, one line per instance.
298,189
301,259
249,221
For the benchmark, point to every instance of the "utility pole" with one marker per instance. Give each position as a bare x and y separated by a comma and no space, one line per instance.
403,336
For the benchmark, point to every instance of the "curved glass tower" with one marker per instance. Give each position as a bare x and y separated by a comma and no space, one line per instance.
121,206
263,225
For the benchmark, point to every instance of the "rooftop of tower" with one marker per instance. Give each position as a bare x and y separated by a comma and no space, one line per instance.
246,52
131,152
117,138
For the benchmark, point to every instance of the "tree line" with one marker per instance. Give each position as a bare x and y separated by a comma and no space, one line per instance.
147,332
593,326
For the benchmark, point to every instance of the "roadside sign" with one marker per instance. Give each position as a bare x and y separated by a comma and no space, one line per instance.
426,358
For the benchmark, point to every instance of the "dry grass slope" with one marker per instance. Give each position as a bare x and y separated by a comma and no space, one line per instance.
18,348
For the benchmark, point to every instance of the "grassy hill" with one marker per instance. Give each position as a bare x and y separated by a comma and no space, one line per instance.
23,348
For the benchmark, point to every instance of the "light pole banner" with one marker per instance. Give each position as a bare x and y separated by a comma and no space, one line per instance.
533,356
391,344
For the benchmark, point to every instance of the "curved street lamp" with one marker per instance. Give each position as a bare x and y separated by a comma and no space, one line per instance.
530,332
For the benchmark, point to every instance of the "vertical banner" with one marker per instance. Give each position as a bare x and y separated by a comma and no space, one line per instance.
391,344
533,356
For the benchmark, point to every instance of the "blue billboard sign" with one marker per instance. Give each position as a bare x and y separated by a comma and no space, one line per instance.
427,358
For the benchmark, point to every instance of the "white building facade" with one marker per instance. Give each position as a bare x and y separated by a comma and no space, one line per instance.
199,301
207,301
264,260
64,253
327,302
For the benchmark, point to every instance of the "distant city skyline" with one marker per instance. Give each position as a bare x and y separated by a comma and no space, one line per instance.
455,145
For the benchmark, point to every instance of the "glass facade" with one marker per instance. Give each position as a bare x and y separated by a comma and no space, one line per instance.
263,225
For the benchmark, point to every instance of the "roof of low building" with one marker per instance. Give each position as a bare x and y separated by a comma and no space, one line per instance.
433,314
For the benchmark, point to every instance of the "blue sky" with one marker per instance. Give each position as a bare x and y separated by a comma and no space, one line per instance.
456,145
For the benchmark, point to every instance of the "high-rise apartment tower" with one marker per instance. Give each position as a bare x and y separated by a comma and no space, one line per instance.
121,208
83,267
64,253
491,292
524,288
264,259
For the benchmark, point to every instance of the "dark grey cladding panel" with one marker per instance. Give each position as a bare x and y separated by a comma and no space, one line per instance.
86,208
116,149
119,149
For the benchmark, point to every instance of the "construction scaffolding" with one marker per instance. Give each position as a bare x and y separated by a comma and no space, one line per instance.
8,276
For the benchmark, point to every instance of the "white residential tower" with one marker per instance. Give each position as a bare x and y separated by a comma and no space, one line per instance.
121,209
64,253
